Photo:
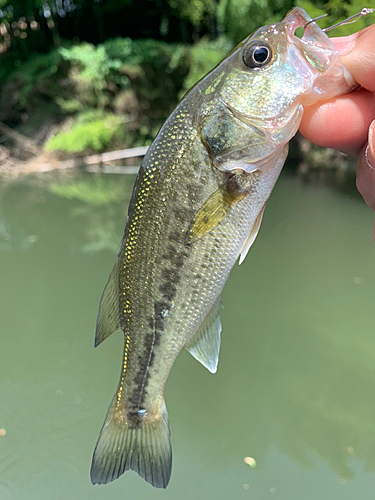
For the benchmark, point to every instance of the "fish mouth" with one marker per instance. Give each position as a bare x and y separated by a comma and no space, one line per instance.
320,62
315,46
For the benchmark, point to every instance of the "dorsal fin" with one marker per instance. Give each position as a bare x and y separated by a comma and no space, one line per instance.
252,235
205,345
108,320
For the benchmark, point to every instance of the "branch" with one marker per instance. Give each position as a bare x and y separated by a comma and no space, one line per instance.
24,141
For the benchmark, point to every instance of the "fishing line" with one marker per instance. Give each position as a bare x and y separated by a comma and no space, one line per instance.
349,20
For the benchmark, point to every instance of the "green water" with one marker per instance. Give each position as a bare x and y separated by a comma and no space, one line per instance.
295,388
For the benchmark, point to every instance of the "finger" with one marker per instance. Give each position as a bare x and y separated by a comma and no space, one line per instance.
358,54
365,169
341,123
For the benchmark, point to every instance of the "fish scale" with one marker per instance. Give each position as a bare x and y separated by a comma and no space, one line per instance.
196,207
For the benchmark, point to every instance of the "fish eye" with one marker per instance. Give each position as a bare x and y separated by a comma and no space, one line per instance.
257,55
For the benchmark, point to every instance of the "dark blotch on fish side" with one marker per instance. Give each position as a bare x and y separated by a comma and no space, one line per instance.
174,256
146,361
175,237
168,291
171,275
151,341
140,383
179,259
171,252
168,288
160,308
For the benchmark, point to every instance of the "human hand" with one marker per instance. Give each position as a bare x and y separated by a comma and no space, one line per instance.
347,122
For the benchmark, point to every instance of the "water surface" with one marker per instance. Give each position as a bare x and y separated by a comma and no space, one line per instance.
296,380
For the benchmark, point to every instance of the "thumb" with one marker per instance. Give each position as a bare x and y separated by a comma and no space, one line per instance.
365,169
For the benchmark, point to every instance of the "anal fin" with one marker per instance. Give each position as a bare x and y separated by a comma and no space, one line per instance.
205,345
108,320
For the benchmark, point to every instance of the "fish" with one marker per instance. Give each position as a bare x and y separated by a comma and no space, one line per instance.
196,207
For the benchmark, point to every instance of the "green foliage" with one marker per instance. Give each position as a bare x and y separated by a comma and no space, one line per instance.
134,83
155,70
241,17
194,10
31,88
90,72
204,56
38,71
34,73
90,131
337,10
99,73
123,77
134,52
97,62
95,65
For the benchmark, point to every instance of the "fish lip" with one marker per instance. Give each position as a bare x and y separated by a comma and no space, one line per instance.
313,39
297,18
313,54
316,58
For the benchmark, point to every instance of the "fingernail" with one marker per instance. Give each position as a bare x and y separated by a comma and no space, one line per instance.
371,143
370,148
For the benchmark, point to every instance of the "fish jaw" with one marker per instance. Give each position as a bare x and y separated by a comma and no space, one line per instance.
316,59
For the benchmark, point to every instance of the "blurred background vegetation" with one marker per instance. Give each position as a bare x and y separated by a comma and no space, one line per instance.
85,76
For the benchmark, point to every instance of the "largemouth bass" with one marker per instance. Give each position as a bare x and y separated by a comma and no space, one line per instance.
196,208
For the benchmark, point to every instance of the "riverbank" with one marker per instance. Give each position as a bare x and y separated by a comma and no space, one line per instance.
310,163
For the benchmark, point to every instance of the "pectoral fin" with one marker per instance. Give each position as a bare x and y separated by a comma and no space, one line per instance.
205,345
108,320
252,235
214,210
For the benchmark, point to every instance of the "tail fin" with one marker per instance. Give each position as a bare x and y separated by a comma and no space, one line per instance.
142,445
